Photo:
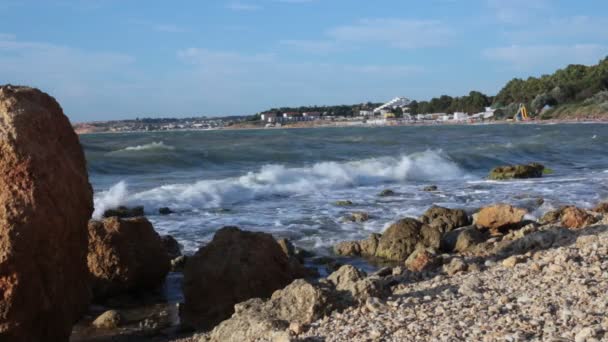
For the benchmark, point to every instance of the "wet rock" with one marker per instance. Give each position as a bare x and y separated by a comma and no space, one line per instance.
431,236
387,193
177,264
445,219
294,260
462,239
358,216
344,203
45,203
125,255
532,170
430,188
235,266
421,259
110,319
551,216
171,246
299,303
399,240
500,217
369,246
576,218
124,212
165,211
348,279
348,248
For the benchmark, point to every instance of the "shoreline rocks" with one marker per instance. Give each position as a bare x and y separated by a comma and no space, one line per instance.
500,217
45,203
125,255
235,266
532,170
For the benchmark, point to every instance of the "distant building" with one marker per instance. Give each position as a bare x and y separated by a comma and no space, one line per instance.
366,113
398,102
311,115
461,116
292,116
269,117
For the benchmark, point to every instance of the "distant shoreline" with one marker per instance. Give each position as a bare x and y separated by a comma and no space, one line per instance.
333,124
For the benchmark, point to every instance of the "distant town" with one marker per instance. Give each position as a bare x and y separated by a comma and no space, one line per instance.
159,124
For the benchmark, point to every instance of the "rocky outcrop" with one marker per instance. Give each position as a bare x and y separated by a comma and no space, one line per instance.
125,255
576,218
365,247
110,319
445,219
430,188
357,216
500,217
298,304
462,239
601,208
171,246
421,259
124,212
45,203
235,266
532,170
354,286
399,240
387,193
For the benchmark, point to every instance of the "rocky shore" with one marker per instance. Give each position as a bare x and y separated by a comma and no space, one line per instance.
494,274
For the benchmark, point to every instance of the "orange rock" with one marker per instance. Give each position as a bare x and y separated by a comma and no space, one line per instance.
500,217
576,218
45,203
601,208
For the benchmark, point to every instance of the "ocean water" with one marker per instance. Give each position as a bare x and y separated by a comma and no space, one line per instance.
286,182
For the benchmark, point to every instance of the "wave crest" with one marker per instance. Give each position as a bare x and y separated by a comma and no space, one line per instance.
273,180
153,146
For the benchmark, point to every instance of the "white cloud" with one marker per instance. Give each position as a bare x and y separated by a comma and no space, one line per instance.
518,11
584,28
312,46
524,57
396,33
239,6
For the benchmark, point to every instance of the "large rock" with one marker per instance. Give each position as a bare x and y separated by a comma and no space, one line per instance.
576,218
445,219
500,217
124,212
365,247
421,259
399,240
171,246
601,208
532,170
125,255
299,303
354,285
462,239
235,266
45,203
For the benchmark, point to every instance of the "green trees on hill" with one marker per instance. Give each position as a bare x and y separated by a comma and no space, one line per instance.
572,84
473,103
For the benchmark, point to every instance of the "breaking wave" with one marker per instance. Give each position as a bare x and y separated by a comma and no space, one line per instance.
278,180
153,146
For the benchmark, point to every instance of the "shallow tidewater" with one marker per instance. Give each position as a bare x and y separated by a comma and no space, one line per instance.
287,181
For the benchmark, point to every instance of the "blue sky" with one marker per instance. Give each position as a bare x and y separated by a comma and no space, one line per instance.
112,59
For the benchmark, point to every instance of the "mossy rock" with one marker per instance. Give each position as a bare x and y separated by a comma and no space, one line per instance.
532,170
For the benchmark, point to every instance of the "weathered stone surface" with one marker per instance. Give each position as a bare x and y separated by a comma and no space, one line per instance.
387,193
352,282
45,203
500,217
532,170
576,218
421,259
551,216
445,219
348,248
171,246
430,188
358,216
370,245
124,212
299,303
110,319
462,239
601,208
125,255
344,203
456,265
399,240
236,266
431,236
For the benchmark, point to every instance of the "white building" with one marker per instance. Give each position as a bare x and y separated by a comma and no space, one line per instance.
366,113
311,115
269,117
397,102
461,116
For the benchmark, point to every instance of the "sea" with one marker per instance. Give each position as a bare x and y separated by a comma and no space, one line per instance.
286,181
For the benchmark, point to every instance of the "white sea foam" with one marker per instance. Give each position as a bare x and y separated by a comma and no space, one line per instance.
149,147
273,180
115,196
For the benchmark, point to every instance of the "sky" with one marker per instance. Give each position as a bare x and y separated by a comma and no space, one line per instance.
119,59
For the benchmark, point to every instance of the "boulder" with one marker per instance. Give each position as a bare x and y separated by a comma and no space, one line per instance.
462,239
165,211
551,216
300,303
235,266
456,265
110,319
445,219
431,236
171,246
430,188
45,203
369,246
532,170
387,193
421,259
354,286
601,208
399,240
295,260
576,218
344,203
125,255
124,212
500,217
365,247
358,216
